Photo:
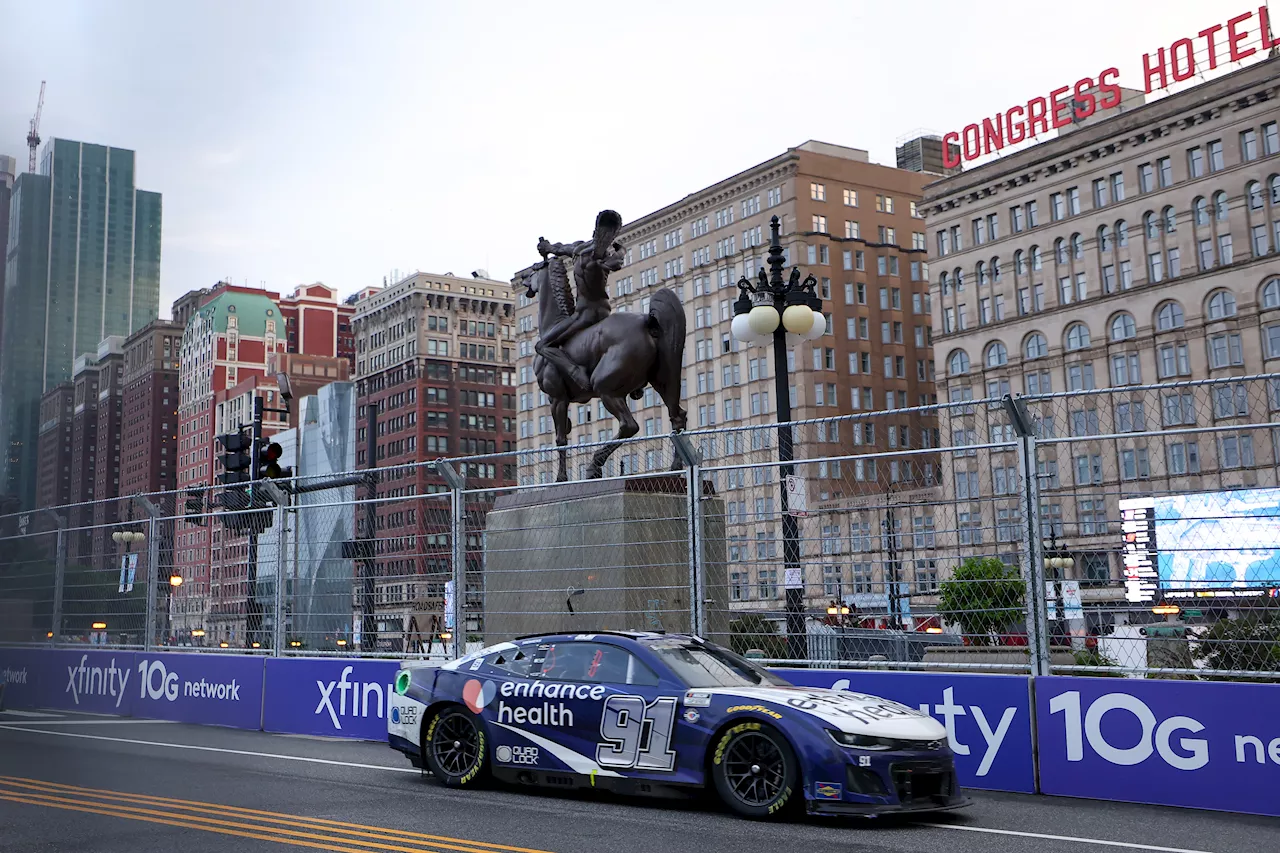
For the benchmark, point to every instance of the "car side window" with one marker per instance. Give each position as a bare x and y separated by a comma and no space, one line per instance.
515,661
596,663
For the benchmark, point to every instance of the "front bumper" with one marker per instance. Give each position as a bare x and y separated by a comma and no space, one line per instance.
837,809
888,783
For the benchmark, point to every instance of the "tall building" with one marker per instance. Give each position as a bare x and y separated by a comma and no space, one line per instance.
434,354
307,374
110,438
8,170
54,466
82,264
855,226
318,324
149,409
1139,249
225,344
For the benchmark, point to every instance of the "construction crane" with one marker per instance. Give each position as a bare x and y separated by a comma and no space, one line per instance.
33,138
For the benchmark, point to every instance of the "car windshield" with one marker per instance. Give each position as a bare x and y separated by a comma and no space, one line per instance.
711,666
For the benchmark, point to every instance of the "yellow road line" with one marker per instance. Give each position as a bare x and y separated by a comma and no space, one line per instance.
180,824
448,842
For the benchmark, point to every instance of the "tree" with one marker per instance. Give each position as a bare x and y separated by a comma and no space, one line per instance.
984,596
751,631
1251,643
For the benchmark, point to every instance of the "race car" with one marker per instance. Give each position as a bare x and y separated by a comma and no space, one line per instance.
666,715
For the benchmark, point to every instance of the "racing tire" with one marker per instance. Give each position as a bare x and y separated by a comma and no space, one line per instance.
455,748
755,771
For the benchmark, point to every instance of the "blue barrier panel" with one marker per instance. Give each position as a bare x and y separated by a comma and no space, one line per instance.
23,672
988,717
212,689
328,696
1198,744
100,682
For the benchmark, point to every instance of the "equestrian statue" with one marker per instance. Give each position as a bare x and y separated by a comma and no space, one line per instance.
585,351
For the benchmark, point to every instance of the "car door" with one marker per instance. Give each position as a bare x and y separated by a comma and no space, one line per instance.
633,729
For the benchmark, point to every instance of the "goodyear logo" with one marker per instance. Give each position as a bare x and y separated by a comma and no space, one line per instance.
759,709
827,790
728,736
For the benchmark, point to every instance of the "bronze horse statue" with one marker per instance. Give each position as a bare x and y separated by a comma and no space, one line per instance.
586,351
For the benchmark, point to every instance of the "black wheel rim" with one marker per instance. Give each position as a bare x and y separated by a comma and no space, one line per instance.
755,769
455,744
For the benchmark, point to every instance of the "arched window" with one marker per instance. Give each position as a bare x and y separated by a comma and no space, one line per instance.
1254,193
958,363
1037,261
1271,293
982,273
1169,316
1222,303
997,354
1150,225
1060,251
1170,220
1035,346
1275,189
1077,247
1104,239
1220,205
1019,263
995,269
1200,211
1123,327
945,282
1077,337
1122,233
959,274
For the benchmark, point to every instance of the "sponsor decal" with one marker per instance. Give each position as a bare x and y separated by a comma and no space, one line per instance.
395,715
779,803
697,699
475,771
759,709
407,716
828,790
691,716
477,694
14,676
360,695
864,709
110,680
556,714
527,755
864,760
476,664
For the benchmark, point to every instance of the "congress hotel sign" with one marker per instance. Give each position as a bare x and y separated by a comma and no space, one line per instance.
1218,44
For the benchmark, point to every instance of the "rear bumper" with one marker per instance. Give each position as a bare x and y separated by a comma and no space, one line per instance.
409,748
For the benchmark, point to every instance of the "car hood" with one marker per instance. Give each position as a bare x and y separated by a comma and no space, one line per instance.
857,713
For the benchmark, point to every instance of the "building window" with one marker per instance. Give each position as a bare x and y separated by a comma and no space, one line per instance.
1216,162
818,192
1195,162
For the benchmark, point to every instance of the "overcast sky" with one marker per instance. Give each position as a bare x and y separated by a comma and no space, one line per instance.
304,141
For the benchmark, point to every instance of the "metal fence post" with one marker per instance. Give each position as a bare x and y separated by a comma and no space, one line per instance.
691,458
153,568
457,536
59,575
1032,567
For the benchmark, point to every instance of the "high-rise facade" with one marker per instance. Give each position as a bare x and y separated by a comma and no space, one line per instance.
434,355
8,171
1140,250
317,323
54,449
82,264
149,409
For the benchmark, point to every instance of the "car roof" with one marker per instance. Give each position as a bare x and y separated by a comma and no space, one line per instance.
638,636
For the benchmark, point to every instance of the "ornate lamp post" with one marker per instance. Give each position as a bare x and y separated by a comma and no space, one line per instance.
776,308
1058,559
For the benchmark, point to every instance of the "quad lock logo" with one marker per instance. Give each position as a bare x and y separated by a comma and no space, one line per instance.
527,755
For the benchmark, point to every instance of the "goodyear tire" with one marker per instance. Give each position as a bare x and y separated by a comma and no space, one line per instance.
455,747
755,770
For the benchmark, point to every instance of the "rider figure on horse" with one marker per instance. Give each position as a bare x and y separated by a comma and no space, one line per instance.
593,260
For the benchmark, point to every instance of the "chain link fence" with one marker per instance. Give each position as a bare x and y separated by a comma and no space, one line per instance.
1132,531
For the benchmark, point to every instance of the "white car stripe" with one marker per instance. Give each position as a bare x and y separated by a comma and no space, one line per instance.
574,761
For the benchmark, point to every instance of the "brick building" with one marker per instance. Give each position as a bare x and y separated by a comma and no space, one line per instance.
434,354
54,480
318,324
149,409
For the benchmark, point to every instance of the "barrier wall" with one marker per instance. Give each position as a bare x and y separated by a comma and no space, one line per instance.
1208,745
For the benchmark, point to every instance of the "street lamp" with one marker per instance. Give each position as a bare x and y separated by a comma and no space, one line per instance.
1058,559
779,308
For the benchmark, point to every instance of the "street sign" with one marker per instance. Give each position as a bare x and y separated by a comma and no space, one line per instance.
797,497
1072,606
793,578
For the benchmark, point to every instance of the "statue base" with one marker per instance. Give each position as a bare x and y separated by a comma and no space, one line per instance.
598,555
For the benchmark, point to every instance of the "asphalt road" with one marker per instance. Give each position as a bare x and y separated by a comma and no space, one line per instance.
78,783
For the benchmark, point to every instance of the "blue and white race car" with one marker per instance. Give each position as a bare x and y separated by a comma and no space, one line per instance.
666,715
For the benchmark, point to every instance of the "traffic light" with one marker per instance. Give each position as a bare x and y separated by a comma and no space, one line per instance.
236,459
195,508
269,463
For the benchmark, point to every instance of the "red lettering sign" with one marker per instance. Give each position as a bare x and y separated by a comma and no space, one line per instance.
1172,64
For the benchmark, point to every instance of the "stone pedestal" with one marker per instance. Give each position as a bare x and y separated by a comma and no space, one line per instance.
624,543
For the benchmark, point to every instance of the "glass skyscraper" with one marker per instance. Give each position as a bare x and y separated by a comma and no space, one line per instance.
82,263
